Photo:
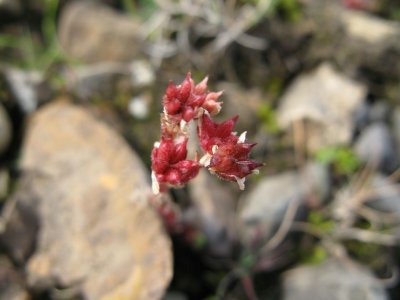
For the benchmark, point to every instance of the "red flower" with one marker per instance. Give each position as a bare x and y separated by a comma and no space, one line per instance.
183,101
231,161
211,133
227,154
169,164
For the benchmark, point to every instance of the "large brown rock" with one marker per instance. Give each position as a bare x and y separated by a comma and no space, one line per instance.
92,32
97,231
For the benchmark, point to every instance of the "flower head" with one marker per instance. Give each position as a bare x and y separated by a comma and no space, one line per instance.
225,153
183,102
169,164
231,161
211,134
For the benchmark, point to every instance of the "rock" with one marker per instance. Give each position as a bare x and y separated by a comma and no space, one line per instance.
109,78
214,209
380,112
265,206
13,6
364,40
375,146
18,234
97,231
332,280
11,283
361,117
369,29
5,130
92,32
385,194
28,87
325,98
97,80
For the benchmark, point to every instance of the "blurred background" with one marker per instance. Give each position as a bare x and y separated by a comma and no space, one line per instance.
316,84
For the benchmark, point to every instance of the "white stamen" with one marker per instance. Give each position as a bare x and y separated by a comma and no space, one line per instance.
182,125
155,186
205,160
242,137
240,182
157,145
214,149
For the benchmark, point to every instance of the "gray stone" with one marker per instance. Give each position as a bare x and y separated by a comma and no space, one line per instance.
5,129
264,207
332,280
20,223
28,87
361,117
97,80
375,146
92,32
97,232
385,194
380,112
327,100
369,29
105,79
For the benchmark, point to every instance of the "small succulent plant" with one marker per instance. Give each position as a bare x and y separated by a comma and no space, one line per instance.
225,154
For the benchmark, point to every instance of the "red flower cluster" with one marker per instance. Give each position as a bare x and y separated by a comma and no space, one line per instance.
186,100
170,165
226,154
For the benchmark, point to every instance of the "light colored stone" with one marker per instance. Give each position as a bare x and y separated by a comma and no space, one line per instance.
332,280
92,32
105,79
265,206
97,231
369,29
24,85
376,147
325,98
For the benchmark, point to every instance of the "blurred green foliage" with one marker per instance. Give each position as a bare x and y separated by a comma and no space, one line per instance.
37,52
140,8
320,222
343,159
316,256
267,116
